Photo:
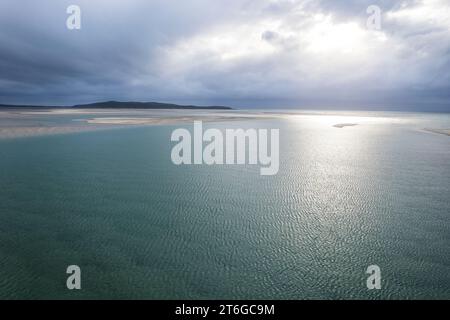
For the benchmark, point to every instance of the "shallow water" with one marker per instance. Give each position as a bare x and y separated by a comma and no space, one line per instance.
113,203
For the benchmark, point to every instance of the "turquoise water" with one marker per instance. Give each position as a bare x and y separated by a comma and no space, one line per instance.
113,203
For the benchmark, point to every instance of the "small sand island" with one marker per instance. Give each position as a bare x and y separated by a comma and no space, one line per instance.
439,131
343,125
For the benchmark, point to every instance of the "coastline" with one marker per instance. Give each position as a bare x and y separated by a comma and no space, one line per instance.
21,123
29,122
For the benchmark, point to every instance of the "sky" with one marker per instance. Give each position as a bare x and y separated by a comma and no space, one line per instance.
243,53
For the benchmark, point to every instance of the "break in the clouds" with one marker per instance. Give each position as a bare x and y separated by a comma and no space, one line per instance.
281,53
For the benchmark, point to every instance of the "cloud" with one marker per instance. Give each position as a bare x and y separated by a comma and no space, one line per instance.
241,52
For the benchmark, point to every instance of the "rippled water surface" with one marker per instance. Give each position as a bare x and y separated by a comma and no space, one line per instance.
345,198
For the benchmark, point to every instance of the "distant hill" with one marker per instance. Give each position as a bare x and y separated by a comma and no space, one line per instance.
124,105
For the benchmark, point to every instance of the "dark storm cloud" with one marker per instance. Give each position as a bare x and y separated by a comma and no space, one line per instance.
242,52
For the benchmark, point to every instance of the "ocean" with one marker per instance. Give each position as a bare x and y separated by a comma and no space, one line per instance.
138,226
